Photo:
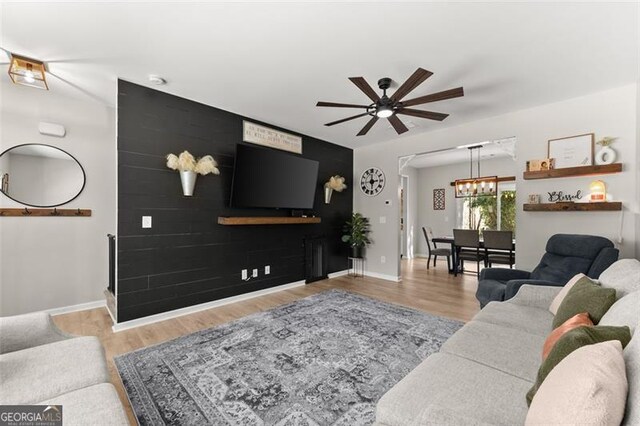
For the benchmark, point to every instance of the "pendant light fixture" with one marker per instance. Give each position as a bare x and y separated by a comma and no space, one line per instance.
28,72
476,186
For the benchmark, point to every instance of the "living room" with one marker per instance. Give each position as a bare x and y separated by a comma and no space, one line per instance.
226,220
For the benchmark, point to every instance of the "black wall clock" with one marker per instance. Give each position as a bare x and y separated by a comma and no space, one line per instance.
372,181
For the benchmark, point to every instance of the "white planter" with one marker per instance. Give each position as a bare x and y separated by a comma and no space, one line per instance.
606,155
188,180
327,194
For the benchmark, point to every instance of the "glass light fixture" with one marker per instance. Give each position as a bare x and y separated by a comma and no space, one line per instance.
28,72
598,191
478,186
384,111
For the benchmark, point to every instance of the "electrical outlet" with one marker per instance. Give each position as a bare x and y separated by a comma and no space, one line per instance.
244,274
383,219
383,259
267,269
254,274
146,221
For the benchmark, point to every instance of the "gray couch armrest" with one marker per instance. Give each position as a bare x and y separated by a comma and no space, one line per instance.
29,330
503,274
514,285
536,296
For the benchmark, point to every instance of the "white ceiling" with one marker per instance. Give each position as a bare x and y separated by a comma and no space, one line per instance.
274,61
504,148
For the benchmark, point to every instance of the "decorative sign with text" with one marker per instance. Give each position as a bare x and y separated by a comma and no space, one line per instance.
260,135
560,196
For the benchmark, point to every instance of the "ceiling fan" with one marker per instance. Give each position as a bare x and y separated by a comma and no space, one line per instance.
389,107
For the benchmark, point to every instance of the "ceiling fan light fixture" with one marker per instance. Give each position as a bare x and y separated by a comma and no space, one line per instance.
384,111
28,72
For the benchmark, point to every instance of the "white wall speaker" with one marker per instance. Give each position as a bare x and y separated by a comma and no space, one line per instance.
52,129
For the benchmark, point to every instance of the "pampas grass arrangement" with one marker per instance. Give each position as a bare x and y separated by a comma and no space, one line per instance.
336,183
186,162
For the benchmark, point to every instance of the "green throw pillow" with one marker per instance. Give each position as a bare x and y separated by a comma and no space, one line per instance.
575,339
585,296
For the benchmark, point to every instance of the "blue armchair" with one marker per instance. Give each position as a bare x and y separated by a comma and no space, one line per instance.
566,255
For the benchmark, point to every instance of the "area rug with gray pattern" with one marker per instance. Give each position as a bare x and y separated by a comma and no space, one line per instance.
322,360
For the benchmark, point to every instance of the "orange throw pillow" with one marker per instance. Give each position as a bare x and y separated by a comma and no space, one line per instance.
574,322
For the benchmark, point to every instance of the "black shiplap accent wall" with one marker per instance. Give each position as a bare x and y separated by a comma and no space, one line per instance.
186,258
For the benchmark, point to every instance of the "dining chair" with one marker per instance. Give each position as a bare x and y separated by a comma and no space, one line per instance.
435,251
498,248
467,246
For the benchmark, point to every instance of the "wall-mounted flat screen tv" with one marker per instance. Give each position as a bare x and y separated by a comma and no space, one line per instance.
264,177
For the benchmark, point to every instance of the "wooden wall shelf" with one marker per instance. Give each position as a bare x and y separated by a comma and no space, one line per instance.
573,207
266,220
574,171
29,212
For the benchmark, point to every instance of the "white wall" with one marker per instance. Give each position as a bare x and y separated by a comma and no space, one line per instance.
443,221
609,113
412,227
51,262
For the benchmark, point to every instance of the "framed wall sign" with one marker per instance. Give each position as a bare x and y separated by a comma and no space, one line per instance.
572,151
260,135
438,199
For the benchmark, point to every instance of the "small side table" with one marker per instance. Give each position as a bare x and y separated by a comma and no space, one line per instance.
356,267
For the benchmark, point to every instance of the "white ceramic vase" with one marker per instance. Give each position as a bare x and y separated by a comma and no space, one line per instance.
606,155
327,194
188,179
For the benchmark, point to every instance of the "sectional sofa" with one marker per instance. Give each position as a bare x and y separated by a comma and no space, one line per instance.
483,372
40,364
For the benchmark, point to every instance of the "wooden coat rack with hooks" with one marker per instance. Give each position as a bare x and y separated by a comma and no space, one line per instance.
29,212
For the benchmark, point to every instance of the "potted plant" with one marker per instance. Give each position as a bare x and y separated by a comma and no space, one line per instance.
190,168
357,230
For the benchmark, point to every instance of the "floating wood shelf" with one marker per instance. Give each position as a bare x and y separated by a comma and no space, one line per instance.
29,212
573,207
574,171
266,220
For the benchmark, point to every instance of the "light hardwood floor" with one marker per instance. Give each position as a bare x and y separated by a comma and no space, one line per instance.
434,291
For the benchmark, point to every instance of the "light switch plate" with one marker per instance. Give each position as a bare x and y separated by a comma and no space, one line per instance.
146,221
383,219
267,269
255,273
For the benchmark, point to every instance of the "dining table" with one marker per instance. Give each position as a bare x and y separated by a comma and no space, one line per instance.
448,239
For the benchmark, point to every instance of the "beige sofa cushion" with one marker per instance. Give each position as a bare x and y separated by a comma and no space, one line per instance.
46,371
588,387
95,405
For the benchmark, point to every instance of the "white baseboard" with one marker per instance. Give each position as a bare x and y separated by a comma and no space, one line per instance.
383,276
338,274
421,255
75,308
201,307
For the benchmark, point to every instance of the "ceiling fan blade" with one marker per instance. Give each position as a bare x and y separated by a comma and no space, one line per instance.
337,105
440,96
397,124
423,114
412,82
368,126
346,119
364,86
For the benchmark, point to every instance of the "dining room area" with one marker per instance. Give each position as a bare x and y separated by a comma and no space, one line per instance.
458,208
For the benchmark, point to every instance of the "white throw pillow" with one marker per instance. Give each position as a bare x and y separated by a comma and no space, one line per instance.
588,387
553,308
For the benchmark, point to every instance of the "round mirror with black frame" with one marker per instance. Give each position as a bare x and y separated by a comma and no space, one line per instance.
39,175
